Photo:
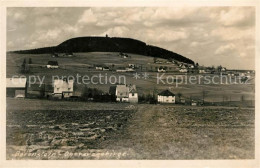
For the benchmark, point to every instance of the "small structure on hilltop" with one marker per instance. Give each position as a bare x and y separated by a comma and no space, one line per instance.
63,88
16,87
53,65
166,97
183,70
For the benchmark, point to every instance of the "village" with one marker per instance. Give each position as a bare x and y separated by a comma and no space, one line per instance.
67,89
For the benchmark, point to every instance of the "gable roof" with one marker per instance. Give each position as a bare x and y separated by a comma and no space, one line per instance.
15,82
166,93
122,91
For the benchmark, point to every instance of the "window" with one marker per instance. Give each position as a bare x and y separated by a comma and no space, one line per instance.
133,94
68,88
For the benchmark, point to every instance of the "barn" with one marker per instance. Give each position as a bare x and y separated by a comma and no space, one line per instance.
16,87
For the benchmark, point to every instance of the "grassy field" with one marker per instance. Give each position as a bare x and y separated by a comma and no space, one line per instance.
82,61
42,129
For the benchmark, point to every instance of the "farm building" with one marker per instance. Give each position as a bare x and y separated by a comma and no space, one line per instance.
133,95
99,67
105,68
160,69
166,97
183,70
53,65
16,87
63,88
121,69
131,66
126,93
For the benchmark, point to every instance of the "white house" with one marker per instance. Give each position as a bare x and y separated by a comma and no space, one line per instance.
202,71
133,95
63,88
99,67
184,70
121,69
166,97
16,87
53,65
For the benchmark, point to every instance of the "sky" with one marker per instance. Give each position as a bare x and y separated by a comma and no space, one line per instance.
211,36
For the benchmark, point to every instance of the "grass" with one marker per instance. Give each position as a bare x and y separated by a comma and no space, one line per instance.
140,132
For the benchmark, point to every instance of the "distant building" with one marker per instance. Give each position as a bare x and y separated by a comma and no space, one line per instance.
161,69
63,88
133,95
99,67
16,87
121,69
166,97
131,66
202,71
53,65
183,70
105,68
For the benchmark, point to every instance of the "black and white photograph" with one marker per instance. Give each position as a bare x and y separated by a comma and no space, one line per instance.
130,83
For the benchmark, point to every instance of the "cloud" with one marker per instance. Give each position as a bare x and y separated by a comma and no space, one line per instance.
200,33
225,48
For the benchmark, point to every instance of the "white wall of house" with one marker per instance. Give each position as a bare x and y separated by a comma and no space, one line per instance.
53,66
166,99
133,97
61,86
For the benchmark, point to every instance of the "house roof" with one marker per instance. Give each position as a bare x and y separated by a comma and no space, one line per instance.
166,93
132,88
122,91
52,63
15,82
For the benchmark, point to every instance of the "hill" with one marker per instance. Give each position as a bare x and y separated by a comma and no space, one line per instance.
108,44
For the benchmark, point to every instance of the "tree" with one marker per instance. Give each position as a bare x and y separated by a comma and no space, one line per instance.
204,93
30,61
179,95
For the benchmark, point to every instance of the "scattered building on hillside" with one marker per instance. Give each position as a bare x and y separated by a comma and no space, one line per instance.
194,103
130,70
16,87
183,70
53,65
121,69
161,69
131,66
105,68
99,67
63,88
191,66
166,97
202,71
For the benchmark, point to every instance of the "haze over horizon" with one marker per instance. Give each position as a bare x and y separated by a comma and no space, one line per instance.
208,35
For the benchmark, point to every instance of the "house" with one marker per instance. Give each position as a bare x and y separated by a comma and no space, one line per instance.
166,97
194,103
126,93
16,87
133,95
129,69
202,71
122,93
53,65
131,66
183,70
105,68
99,67
121,69
191,66
161,69
63,88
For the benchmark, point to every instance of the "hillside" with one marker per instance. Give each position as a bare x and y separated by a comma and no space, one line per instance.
108,44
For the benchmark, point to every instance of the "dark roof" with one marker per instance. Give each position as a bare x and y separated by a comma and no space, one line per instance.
52,63
166,93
